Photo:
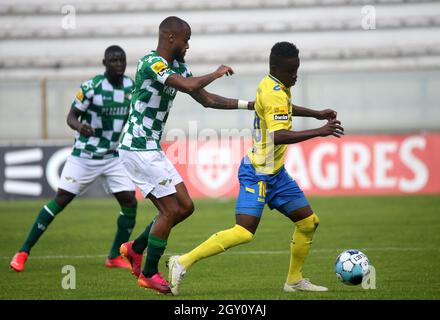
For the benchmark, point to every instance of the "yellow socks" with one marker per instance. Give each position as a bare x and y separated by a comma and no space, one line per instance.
300,246
217,243
223,240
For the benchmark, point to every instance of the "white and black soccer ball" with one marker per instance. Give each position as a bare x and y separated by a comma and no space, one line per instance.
352,267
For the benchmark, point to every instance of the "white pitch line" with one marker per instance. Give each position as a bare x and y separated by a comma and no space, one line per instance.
240,253
61,257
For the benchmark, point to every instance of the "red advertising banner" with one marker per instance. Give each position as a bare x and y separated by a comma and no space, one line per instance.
379,164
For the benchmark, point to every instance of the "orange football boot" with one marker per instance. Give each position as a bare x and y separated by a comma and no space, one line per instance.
156,282
18,261
133,258
118,262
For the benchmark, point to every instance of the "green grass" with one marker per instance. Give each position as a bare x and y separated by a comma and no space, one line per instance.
400,235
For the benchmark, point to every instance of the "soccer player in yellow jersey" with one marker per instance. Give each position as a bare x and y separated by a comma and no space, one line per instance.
263,178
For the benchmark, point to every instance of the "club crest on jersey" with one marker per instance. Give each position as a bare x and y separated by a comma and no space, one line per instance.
281,109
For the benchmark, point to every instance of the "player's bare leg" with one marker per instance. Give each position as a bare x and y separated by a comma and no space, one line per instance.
173,209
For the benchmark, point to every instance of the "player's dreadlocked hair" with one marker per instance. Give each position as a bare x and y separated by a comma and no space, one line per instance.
283,50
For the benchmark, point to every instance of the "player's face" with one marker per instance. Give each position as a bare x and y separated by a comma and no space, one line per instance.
287,71
115,63
181,44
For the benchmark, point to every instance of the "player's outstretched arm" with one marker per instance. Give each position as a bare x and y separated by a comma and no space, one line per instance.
191,84
331,128
326,114
73,122
210,100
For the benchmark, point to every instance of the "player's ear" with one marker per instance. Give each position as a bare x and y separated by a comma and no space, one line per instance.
171,37
104,62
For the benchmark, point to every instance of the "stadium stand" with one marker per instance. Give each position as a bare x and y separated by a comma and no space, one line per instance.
329,33
325,30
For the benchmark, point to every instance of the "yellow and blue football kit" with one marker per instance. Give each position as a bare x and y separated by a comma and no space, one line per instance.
263,178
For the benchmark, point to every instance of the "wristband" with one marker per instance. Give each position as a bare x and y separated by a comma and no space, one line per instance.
242,104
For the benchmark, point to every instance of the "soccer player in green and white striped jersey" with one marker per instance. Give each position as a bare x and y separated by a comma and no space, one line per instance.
160,74
98,114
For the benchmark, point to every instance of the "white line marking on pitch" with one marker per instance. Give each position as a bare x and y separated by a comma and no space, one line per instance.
238,253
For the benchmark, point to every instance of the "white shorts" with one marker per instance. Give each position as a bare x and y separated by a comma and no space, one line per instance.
151,171
79,173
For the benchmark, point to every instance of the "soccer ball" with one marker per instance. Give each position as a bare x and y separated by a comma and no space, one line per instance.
352,266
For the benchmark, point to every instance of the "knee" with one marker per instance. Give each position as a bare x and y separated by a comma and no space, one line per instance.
63,198
128,200
308,224
170,213
316,220
231,237
242,234
131,203
187,209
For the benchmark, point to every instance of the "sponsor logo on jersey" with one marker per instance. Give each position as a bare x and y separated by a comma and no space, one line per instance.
280,116
159,68
80,95
277,87
114,111
281,109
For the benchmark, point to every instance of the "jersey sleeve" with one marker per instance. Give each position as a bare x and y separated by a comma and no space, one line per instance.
157,69
128,83
187,73
83,96
276,110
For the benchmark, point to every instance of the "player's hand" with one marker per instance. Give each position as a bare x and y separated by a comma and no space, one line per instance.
251,105
332,128
327,114
222,70
86,130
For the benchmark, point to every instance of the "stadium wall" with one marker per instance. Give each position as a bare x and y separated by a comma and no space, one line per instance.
366,102
353,165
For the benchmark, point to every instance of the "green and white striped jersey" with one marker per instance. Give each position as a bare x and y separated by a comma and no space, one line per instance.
105,108
151,103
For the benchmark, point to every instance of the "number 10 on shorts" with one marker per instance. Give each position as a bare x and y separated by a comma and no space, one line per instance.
262,189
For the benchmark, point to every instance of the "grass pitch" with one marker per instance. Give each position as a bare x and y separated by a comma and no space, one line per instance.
399,234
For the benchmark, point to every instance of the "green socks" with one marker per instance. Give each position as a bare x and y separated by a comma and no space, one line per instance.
44,218
126,223
141,242
155,250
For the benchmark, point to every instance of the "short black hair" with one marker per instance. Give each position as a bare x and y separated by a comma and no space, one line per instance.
111,49
173,23
282,50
